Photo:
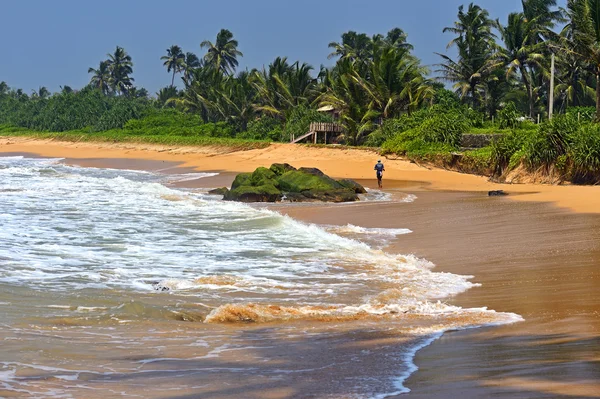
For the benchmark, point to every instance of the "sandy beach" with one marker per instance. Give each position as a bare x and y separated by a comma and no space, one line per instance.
535,252
338,162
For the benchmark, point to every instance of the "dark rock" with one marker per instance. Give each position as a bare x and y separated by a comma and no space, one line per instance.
305,179
351,184
497,193
283,181
339,195
240,180
264,193
312,171
219,191
281,168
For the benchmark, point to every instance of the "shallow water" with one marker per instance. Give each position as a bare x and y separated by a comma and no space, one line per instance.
114,282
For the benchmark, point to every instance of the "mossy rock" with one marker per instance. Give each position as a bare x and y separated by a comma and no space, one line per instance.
352,185
264,193
338,195
295,185
263,176
301,180
280,168
241,180
219,191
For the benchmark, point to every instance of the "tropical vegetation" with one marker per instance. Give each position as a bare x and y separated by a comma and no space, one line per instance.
495,80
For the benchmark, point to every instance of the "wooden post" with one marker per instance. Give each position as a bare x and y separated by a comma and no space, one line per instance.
325,137
538,119
316,133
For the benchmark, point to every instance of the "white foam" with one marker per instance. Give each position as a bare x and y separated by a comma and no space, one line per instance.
180,178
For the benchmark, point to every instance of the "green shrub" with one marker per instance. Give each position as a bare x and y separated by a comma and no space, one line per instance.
583,114
477,161
585,155
508,117
552,140
265,128
504,149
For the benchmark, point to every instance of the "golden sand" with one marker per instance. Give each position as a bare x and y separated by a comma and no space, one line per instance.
338,162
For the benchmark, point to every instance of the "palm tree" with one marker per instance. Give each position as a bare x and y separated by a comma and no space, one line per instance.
42,93
475,43
521,53
574,88
190,63
354,46
120,66
283,86
223,54
101,77
173,61
541,19
581,37
395,83
66,89
3,88
347,97
165,94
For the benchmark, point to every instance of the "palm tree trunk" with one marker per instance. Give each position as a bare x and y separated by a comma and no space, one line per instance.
598,95
173,78
529,88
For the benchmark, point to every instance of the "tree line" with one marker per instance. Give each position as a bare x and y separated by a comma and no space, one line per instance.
499,65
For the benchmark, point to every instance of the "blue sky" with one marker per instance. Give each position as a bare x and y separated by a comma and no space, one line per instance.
53,43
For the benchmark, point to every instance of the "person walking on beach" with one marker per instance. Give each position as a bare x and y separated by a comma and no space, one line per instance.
380,169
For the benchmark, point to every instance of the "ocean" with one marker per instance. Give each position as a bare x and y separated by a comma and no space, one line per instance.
115,283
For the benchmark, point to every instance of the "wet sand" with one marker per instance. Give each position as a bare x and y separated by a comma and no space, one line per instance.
531,257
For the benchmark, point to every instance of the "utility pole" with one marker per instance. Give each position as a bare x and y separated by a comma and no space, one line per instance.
551,94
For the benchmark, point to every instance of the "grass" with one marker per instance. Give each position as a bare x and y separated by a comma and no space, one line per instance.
121,136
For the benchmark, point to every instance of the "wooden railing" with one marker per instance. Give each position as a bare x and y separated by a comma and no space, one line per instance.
328,127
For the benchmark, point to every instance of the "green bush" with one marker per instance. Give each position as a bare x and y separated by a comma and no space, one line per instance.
477,161
68,110
265,128
552,140
504,149
170,122
585,155
508,117
583,114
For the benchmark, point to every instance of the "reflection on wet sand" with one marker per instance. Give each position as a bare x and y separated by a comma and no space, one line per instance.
531,259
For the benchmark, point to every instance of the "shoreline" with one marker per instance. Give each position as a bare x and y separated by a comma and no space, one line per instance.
339,162
559,239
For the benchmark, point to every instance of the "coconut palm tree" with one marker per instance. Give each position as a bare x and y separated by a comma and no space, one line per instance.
349,99
120,66
574,88
222,54
354,46
3,88
190,63
581,37
395,83
521,53
101,77
42,93
475,42
173,61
